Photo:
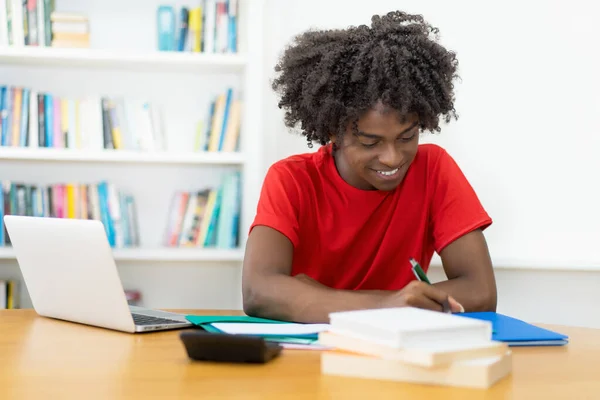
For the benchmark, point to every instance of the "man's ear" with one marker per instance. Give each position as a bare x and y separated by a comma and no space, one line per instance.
334,141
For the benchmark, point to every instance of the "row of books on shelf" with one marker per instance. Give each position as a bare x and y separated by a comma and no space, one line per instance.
210,27
222,128
30,118
101,201
208,217
26,22
36,23
9,296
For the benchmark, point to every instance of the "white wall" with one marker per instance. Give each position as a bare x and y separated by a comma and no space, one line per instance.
528,106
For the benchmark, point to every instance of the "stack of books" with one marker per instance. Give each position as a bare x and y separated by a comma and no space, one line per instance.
70,30
414,346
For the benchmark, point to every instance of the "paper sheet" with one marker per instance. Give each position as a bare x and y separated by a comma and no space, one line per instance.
271,329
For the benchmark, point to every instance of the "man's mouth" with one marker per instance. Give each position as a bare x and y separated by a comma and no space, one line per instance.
388,173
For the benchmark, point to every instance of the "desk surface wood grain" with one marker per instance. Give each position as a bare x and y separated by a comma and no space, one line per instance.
51,359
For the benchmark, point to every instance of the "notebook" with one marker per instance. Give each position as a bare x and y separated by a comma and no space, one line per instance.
516,332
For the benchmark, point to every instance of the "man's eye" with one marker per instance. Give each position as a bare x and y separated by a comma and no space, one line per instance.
368,144
409,138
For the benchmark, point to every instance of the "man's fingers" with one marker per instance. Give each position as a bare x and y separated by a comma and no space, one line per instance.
435,294
420,300
455,306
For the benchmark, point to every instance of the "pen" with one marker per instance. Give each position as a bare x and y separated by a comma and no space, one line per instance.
421,276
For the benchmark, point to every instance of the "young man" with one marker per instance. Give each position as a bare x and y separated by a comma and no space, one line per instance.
335,229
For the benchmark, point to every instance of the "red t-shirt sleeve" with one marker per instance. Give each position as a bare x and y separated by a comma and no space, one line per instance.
278,203
455,207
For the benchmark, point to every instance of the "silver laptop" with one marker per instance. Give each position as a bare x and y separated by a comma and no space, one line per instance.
70,274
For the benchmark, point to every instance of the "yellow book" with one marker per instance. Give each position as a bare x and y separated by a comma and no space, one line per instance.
232,131
16,119
217,123
10,296
199,142
71,207
195,27
116,129
208,211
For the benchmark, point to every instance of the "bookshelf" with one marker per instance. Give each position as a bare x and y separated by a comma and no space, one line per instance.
122,61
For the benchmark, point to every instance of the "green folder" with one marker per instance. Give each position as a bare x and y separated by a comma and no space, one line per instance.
206,321
201,320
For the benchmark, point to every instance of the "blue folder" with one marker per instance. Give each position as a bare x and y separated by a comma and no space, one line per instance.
518,333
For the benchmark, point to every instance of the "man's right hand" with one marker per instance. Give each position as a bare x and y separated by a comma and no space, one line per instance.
421,295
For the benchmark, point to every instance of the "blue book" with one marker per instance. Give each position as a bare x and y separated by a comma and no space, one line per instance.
228,100
105,216
24,129
183,28
49,119
7,112
518,333
165,21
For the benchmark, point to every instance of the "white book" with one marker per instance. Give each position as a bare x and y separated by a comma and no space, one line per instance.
72,130
158,128
431,355
41,23
210,24
17,23
90,123
3,24
409,327
222,29
479,373
3,293
143,127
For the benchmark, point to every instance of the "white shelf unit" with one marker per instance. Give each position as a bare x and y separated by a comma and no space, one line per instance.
119,156
161,254
147,61
184,83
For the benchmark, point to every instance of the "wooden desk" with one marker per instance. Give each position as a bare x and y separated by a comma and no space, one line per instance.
42,358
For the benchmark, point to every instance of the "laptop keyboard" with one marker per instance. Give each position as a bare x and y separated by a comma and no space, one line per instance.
139,319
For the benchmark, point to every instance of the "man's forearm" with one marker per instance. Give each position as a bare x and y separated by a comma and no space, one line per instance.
301,299
472,295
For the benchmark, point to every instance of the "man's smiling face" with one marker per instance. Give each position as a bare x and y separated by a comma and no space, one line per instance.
377,157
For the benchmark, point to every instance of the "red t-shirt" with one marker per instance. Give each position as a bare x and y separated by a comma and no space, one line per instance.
349,238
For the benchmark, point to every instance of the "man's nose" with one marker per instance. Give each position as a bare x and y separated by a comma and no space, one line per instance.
390,156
